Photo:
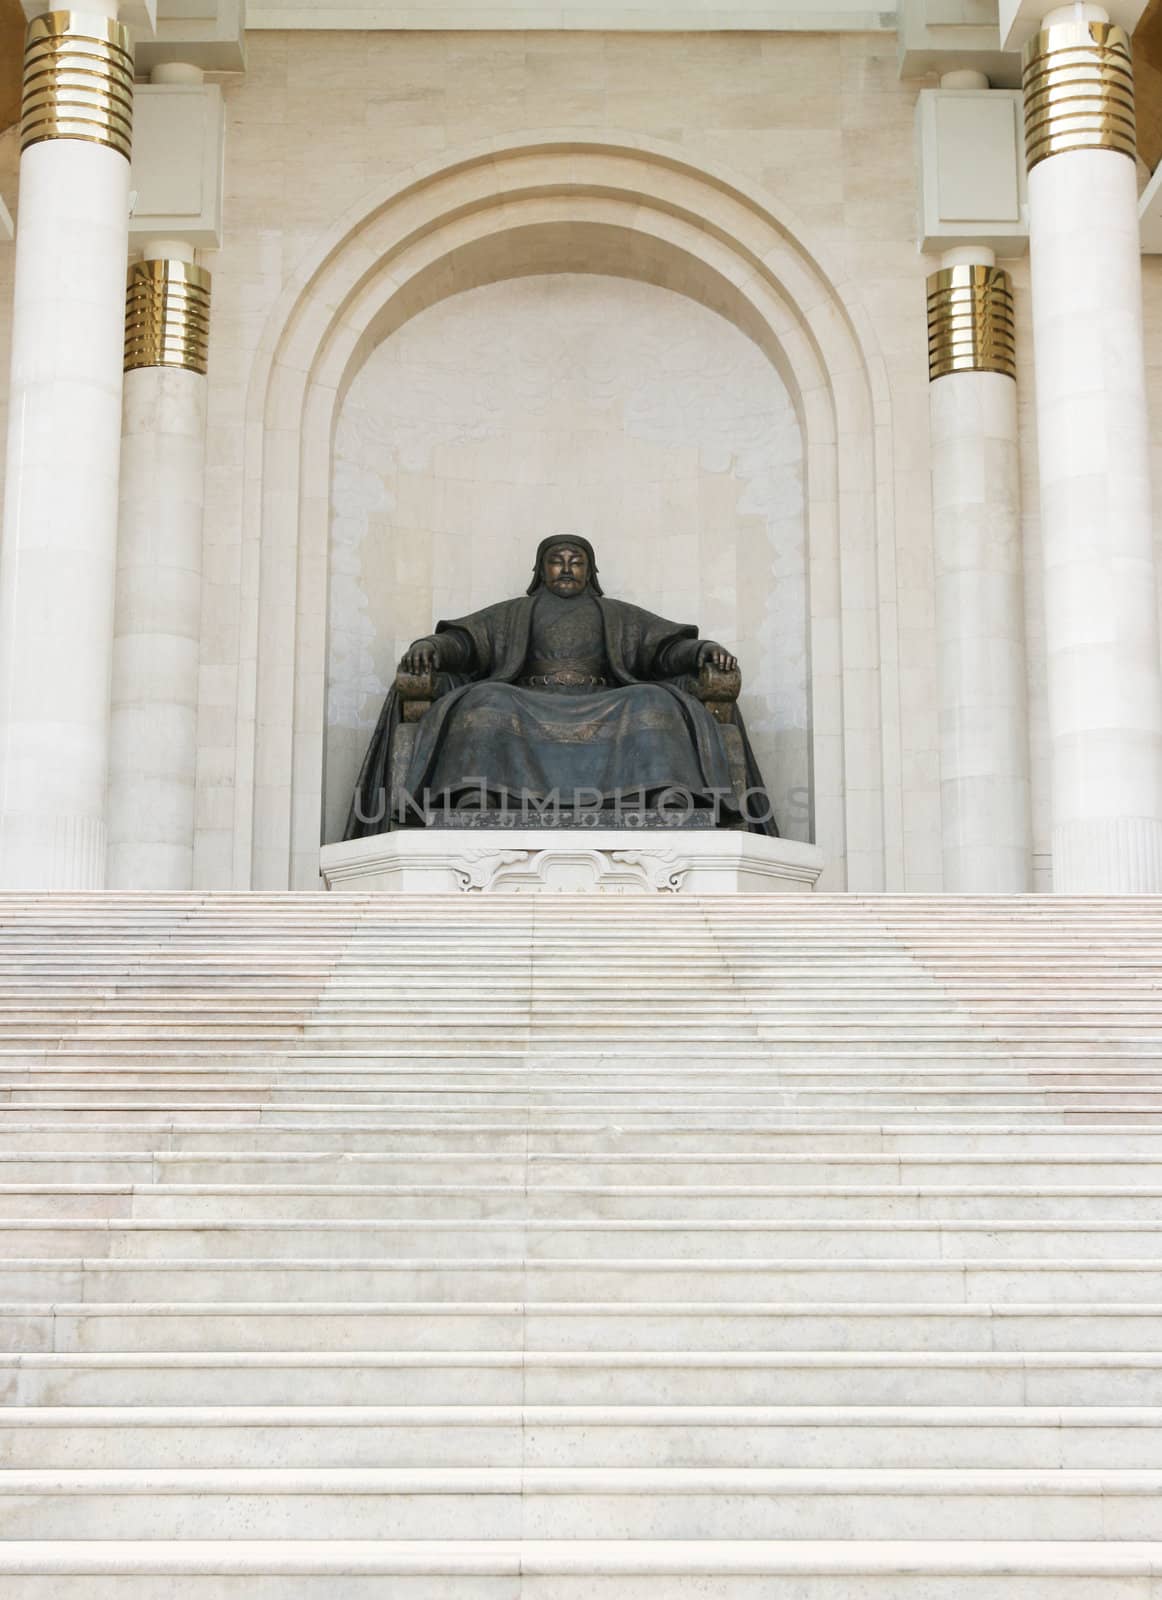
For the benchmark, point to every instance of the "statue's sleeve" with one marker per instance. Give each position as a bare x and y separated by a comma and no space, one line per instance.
642,644
475,639
454,648
677,657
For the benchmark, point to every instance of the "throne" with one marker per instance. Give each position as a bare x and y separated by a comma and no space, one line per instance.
717,690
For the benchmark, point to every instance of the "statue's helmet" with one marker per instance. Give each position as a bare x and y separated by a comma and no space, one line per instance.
548,544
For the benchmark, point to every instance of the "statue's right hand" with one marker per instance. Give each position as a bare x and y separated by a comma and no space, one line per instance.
419,657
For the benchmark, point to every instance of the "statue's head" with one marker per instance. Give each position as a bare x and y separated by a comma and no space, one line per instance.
566,566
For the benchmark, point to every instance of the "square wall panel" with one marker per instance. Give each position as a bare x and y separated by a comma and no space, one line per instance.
177,163
972,170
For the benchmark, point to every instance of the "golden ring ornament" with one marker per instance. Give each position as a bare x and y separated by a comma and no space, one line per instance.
971,326
1079,91
78,81
167,315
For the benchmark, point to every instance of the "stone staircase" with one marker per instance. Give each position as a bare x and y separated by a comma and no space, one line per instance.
580,1248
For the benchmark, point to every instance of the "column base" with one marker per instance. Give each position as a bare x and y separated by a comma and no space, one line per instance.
1119,855
39,853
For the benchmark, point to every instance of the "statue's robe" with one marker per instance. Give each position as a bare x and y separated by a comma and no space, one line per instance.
644,730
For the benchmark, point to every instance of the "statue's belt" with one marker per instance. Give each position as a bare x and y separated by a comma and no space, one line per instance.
564,675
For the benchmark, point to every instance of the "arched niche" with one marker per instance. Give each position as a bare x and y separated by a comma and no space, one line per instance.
580,401
633,209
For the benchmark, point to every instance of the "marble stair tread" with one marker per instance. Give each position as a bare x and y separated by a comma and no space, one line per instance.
544,1086
142,1438
740,1073
1079,1561
624,1378
582,1240
310,1280
194,1134
818,977
544,1203
582,1075
182,1055
587,1128
1035,1092
577,1502
778,1171
559,1327
732,1009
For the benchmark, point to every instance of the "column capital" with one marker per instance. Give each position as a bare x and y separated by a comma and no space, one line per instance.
78,80
1079,90
970,321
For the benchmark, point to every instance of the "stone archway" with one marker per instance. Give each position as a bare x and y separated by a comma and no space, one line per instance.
633,208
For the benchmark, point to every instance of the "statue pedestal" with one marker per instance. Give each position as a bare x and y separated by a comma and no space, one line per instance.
571,861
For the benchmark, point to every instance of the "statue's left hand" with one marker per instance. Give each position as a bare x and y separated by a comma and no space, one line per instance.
717,657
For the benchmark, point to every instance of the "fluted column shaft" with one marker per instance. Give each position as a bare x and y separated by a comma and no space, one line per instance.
1104,683
58,548
984,752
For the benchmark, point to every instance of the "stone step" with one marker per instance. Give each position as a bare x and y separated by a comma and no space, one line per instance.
579,1502
518,1325
733,1008
537,1070
738,1079
652,1104
129,1438
508,1085
749,1041
756,946
623,1378
818,978
194,1133
199,1202
562,1132
327,1169
579,1569
902,947
1046,1091
523,951
299,1047
579,1239
1064,1281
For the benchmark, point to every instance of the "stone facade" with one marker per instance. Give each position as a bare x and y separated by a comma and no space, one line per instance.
770,177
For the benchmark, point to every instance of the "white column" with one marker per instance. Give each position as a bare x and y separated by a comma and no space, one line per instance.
60,509
153,743
1105,689
984,759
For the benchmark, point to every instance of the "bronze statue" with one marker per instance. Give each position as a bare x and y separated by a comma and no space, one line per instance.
561,692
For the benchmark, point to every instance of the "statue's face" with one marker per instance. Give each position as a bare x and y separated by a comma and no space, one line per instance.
565,570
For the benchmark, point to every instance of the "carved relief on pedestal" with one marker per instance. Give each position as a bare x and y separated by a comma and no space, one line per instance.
569,871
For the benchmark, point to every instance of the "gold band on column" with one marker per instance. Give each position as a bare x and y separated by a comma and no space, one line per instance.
970,322
167,315
1079,91
78,81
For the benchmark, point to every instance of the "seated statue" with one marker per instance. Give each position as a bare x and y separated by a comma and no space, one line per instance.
559,693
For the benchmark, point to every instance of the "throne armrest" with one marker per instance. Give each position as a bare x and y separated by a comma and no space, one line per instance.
416,692
718,690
